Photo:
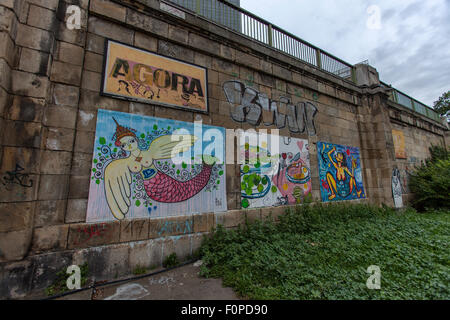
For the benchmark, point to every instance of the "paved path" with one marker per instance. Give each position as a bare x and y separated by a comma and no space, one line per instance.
179,284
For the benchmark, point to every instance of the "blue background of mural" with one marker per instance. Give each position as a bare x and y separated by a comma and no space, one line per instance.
326,166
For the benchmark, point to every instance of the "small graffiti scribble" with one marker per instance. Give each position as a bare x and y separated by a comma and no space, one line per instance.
17,177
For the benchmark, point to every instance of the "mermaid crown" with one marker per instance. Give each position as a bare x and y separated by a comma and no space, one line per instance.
122,131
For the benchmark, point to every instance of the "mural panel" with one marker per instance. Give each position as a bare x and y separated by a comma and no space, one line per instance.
277,178
399,144
339,172
153,167
134,74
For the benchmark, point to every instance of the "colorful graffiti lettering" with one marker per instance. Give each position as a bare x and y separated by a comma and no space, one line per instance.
275,179
339,172
253,107
171,227
91,231
140,172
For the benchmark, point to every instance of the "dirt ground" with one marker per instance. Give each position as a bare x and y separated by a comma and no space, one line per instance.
182,283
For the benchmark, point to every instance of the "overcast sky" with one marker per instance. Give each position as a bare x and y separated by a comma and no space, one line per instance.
410,46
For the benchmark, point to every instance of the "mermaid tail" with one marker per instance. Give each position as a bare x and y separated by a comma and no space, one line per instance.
163,188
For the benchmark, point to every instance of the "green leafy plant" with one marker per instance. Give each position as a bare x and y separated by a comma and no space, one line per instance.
139,270
171,261
430,182
323,252
60,284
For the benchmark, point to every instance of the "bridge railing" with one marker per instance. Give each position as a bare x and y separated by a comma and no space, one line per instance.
413,104
246,23
256,28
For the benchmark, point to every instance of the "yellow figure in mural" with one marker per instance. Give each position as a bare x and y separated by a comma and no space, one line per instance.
341,168
159,186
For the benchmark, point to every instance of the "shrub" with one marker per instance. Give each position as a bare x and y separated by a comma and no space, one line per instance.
430,182
171,261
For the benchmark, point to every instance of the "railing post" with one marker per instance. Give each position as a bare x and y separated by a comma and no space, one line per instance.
318,59
354,74
197,6
270,34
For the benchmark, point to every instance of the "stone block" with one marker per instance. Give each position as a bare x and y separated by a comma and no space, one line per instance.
93,62
66,73
58,139
34,61
60,116
205,44
70,53
92,235
49,4
22,134
49,213
196,242
41,18
15,279
87,120
53,187
91,81
81,164
76,210
84,142
108,9
16,216
173,226
95,43
145,254
65,95
147,23
110,30
28,84
34,38
79,187
8,50
46,267
55,162
134,230
50,238
146,42
253,215
92,101
14,245
178,52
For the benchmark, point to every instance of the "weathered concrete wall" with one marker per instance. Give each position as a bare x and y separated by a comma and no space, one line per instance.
50,94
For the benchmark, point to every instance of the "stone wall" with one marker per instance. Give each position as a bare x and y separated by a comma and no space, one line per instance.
50,93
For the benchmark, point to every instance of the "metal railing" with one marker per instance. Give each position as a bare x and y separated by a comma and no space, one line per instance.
413,104
229,14
232,16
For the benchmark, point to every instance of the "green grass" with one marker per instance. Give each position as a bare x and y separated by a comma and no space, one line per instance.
323,252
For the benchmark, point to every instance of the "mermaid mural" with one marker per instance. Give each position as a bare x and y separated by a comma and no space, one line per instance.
139,177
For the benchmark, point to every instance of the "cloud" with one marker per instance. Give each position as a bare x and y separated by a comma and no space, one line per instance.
410,51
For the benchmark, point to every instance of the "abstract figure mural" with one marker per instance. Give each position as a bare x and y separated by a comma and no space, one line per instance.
140,172
339,172
275,179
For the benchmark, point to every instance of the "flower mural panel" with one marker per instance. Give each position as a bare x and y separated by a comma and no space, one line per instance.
340,172
153,167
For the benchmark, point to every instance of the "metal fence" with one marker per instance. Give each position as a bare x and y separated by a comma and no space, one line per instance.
229,14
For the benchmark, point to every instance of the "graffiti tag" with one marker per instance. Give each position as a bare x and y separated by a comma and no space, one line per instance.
254,107
92,231
17,177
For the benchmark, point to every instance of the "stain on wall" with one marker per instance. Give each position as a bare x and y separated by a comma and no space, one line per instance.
340,172
153,167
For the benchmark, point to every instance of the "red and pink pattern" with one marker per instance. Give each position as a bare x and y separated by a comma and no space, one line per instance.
165,189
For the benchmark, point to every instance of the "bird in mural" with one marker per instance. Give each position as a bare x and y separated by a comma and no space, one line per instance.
158,185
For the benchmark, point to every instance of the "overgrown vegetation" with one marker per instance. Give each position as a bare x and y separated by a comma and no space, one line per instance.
139,270
323,252
171,261
430,182
60,284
